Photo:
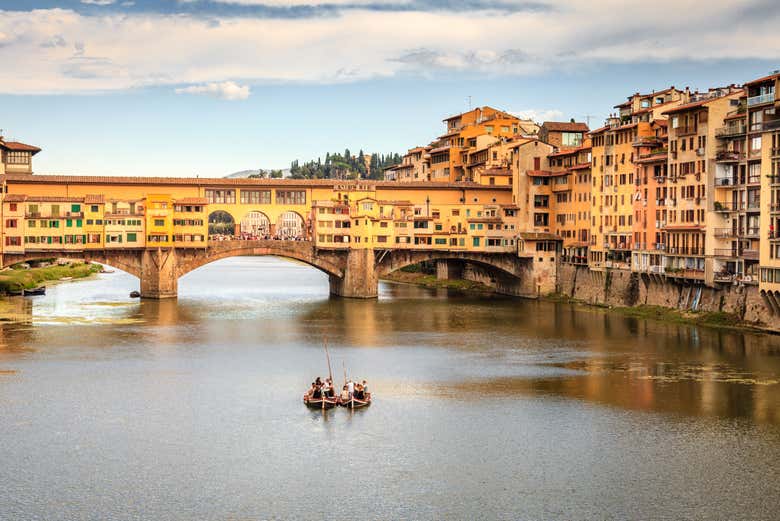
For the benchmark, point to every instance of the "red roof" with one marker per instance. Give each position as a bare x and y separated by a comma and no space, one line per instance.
565,126
192,200
772,76
19,147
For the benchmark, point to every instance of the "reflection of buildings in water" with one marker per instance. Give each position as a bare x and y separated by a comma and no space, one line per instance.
16,310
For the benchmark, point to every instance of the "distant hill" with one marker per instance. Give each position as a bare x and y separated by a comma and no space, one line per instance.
260,172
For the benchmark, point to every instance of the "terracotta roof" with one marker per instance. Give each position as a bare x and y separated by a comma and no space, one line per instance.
544,173
772,76
192,200
539,236
49,199
94,199
19,147
15,198
700,103
565,126
599,130
735,115
158,182
440,149
581,166
497,171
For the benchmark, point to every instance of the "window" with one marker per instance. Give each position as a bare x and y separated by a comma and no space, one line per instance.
17,158
94,208
10,223
12,207
290,197
571,139
132,237
159,222
475,241
221,196
255,197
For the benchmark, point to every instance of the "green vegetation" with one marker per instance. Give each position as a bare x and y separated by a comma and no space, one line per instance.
16,278
344,166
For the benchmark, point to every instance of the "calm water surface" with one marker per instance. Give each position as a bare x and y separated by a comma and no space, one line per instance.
486,408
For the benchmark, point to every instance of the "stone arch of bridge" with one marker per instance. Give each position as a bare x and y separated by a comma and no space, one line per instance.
295,250
128,261
509,267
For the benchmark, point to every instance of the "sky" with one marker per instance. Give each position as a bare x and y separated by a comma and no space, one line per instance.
210,87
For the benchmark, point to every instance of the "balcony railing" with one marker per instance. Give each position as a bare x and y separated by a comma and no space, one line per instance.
729,155
725,181
731,131
769,97
724,233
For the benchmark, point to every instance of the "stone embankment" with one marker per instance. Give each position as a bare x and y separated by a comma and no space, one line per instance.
732,305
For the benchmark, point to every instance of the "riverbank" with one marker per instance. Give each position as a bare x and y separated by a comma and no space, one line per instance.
18,278
717,319
430,281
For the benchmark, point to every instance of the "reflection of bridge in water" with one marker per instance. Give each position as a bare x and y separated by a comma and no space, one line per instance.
352,272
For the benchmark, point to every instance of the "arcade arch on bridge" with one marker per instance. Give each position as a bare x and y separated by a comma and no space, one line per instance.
290,225
221,223
255,224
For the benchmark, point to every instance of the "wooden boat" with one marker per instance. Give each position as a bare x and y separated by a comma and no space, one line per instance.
320,403
41,290
355,403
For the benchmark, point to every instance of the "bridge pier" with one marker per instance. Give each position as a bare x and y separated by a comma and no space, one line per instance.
360,279
159,278
447,269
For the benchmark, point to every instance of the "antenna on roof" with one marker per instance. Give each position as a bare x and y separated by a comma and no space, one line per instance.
587,119
469,98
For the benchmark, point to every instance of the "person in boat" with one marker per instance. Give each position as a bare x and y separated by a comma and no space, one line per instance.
350,389
358,391
326,389
365,389
331,391
317,390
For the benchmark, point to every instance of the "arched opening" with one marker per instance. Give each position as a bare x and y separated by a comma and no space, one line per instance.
221,224
255,225
290,226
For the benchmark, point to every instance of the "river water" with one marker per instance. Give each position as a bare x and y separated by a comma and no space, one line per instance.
485,407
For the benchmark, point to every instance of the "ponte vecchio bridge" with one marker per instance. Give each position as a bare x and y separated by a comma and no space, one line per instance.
159,229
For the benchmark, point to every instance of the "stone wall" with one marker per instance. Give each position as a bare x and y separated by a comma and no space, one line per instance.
624,288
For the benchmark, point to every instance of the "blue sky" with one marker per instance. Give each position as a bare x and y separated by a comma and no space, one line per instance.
210,87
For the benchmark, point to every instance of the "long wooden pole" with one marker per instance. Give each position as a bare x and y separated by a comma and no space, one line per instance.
330,373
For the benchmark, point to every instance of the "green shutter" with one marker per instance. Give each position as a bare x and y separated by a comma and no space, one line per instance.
69,223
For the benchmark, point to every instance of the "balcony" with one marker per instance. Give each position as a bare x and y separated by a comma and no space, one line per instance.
686,131
729,156
769,97
750,232
726,253
726,207
731,131
724,233
725,182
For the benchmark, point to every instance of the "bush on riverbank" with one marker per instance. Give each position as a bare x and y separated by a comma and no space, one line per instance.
15,280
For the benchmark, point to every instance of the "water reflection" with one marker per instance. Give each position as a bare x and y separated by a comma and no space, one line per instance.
467,346
484,407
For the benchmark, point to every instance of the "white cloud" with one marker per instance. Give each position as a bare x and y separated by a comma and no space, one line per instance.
226,90
98,2
122,50
539,115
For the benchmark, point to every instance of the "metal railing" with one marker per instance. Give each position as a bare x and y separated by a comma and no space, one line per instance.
731,130
761,99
